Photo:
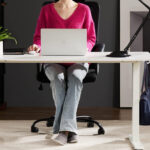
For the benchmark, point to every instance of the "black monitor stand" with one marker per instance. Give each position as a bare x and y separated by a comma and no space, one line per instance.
124,53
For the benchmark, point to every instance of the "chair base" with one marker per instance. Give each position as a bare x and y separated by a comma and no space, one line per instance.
90,123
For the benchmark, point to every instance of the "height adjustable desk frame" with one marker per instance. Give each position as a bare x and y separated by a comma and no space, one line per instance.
98,57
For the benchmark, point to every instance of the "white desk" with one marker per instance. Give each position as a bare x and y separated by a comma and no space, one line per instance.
95,57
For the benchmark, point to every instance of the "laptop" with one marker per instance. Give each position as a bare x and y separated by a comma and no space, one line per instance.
61,42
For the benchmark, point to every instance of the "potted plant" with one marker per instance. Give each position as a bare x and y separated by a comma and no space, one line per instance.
4,34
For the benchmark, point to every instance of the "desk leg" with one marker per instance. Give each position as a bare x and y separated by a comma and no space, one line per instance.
134,138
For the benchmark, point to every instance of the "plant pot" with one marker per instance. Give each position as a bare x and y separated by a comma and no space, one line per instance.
1,48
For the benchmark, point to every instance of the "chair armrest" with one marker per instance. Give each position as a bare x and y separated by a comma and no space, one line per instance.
94,68
98,47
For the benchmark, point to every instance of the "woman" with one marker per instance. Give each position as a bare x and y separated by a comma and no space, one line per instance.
65,79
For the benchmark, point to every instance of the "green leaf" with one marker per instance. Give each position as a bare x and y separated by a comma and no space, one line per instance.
4,34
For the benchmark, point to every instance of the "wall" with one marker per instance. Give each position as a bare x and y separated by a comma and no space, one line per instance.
128,6
135,21
21,87
1,13
1,65
146,36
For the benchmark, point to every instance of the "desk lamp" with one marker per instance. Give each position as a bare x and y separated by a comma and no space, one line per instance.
124,53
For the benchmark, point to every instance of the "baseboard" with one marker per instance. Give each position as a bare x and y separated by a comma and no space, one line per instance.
3,106
33,113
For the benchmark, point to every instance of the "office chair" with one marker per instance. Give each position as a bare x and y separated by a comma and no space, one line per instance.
90,77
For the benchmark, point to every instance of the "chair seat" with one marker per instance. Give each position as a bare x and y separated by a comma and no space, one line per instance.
90,77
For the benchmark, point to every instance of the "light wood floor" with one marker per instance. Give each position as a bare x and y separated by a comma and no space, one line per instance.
38,113
16,135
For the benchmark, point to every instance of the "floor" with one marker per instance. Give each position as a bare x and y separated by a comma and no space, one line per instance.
16,135
15,126
37,113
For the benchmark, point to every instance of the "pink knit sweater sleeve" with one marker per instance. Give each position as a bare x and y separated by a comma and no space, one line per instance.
90,26
40,24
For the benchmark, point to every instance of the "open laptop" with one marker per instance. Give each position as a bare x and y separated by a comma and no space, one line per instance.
63,42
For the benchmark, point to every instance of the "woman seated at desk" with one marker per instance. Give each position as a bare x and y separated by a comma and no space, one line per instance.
66,93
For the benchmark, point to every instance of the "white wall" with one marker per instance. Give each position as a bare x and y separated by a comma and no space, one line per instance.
127,29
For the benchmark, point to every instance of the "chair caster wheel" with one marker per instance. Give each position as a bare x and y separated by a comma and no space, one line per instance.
49,124
101,131
34,129
90,124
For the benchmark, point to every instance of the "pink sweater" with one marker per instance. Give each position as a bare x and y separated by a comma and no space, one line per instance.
81,18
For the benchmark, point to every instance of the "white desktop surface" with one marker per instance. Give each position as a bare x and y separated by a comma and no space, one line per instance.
94,57
97,57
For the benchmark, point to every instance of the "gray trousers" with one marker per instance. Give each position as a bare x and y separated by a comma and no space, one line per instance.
66,85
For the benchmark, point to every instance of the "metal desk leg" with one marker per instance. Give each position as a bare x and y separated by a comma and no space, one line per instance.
134,138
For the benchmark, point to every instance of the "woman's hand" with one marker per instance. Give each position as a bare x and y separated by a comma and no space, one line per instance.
33,47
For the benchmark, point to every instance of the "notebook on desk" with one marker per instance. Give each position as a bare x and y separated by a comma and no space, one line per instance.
61,42
14,51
